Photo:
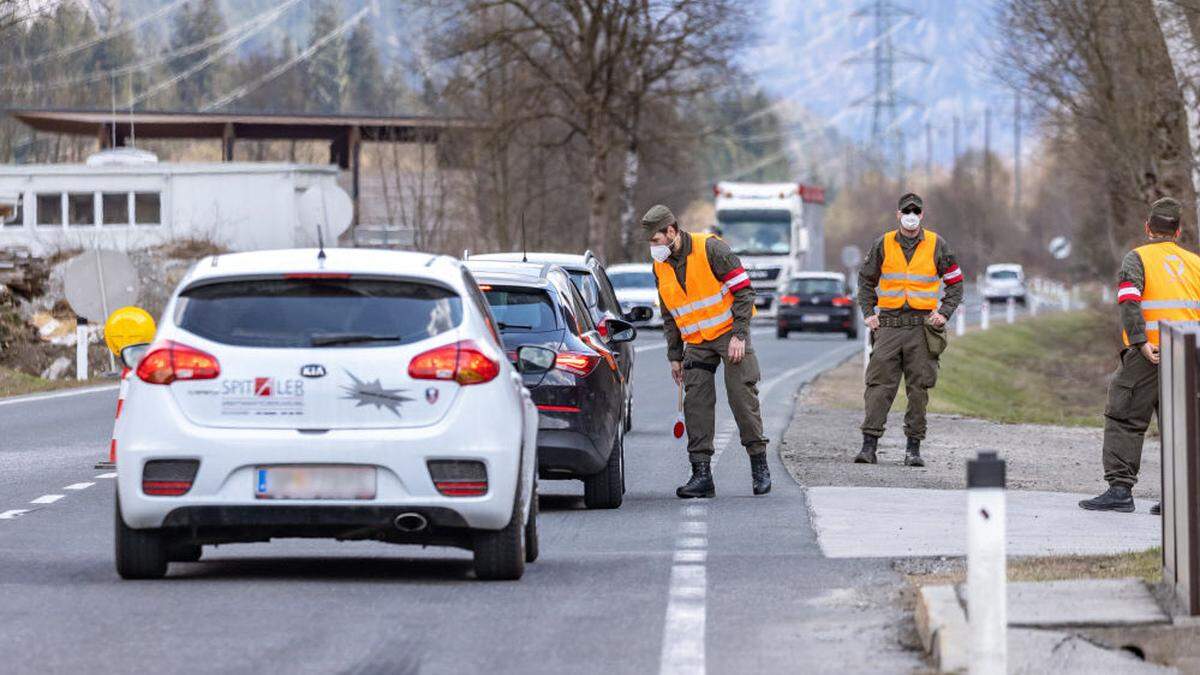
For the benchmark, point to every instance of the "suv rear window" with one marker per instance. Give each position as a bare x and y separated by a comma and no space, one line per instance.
318,312
814,286
521,309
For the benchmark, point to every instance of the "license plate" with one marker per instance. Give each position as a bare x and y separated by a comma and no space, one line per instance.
315,482
815,318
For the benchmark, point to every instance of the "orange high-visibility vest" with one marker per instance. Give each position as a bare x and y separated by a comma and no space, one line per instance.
913,281
704,311
1172,289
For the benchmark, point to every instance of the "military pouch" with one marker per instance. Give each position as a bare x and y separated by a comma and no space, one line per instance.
935,339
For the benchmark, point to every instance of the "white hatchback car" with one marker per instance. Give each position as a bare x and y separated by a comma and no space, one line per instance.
357,394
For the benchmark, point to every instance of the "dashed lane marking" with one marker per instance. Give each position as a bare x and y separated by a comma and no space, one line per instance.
111,474
9,515
79,486
47,499
683,629
60,394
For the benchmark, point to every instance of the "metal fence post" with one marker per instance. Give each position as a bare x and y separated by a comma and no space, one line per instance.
987,575
960,321
1010,310
985,316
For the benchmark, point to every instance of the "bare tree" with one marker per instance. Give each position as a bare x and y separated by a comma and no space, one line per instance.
1177,21
592,64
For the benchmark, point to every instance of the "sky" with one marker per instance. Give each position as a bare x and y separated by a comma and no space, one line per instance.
807,53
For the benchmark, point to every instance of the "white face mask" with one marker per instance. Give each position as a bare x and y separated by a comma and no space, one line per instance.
660,252
910,221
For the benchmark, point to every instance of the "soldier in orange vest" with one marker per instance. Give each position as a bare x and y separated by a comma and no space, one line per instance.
899,286
707,303
1158,282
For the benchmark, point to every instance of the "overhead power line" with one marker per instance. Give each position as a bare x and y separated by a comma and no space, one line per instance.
285,66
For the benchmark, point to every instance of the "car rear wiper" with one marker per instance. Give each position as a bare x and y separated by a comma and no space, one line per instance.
327,339
521,326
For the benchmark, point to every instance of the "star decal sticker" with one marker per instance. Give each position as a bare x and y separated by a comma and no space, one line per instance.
374,393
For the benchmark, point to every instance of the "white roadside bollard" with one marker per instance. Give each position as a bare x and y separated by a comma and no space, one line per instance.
1066,300
985,315
987,575
1033,303
960,322
1010,310
81,349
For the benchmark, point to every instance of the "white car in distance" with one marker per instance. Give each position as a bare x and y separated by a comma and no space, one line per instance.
635,287
350,394
1003,281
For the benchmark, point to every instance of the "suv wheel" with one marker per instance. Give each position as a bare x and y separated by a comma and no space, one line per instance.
605,490
531,532
500,555
141,554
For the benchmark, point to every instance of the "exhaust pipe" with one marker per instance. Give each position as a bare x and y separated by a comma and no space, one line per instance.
411,522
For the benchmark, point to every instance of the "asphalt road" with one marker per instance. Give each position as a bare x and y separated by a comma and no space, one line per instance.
730,585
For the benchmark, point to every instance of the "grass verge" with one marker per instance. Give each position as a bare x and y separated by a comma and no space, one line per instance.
1050,369
1146,565
16,383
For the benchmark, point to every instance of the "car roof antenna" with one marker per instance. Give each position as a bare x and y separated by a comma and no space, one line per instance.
320,245
524,244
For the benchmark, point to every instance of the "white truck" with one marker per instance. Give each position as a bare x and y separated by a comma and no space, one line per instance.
777,229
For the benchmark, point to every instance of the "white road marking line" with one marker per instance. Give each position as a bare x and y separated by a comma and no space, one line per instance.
79,486
663,345
58,394
13,513
111,474
690,556
691,542
684,624
695,510
47,499
693,527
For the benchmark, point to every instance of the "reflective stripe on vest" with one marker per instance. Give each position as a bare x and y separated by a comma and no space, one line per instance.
913,282
1172,289
704,311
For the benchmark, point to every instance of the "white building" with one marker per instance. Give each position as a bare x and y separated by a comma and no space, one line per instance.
125,199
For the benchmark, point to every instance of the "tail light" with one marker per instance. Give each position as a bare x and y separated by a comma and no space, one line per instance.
576,363
169,361
602,328
169,477
789,299
459,478
843,301
462,362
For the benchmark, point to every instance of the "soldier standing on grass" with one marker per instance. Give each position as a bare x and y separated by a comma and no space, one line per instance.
1158,281
707,304
898,289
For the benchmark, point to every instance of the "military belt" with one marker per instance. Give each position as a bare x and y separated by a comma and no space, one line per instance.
904,321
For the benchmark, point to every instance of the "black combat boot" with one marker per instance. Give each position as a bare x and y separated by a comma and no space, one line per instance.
1156,510
760,473
867,454
1115,498
700,484
912,454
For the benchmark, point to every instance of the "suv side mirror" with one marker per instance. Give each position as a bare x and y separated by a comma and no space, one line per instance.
620,330
534,360
639,313
132,355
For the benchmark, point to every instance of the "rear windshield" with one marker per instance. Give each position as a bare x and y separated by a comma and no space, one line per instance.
521,309
631,279
318,312
815,286
1003,274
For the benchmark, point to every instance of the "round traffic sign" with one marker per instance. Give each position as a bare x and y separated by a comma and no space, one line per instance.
97,281
327,208
128,326
851,256
1060,247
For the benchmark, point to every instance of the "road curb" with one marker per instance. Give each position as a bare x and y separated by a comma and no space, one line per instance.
942,625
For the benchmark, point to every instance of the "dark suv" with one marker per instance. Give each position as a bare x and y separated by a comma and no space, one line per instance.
581,401
817,302
590,278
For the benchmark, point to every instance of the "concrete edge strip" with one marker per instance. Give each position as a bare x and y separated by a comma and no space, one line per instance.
34,398
942,625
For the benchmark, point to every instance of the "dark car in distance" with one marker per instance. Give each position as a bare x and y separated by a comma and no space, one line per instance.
581,400
817,302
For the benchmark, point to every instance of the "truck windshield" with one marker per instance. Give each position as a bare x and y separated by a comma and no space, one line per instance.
756,233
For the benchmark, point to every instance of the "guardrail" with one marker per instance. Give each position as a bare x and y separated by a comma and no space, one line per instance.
1179,420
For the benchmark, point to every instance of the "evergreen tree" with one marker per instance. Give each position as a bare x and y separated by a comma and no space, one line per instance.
365,72
195,23
328,71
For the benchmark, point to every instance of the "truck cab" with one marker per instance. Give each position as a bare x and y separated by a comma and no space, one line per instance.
777,229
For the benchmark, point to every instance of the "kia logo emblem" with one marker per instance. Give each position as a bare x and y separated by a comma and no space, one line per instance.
312,370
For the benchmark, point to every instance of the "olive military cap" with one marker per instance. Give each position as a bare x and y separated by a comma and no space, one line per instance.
910,199
657,218
1167,209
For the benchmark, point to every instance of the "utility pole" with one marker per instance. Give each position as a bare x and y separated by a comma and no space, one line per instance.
885,16
1017,158
902,160
957,123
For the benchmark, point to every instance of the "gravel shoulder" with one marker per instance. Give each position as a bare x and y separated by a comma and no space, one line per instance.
824,436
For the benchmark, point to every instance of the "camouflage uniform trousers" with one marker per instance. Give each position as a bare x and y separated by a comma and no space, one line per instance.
700,363
899,351
1132,400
